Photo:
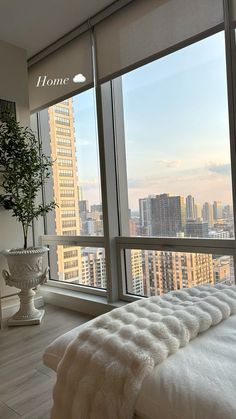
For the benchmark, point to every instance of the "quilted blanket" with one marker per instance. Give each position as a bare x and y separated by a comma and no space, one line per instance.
102,371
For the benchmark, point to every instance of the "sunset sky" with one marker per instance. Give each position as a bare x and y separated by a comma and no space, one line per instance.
176,127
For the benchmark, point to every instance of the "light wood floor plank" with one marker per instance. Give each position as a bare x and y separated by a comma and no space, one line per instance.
26,384
41,412
34,393
6,413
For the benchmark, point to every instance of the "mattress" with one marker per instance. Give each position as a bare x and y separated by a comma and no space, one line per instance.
197,382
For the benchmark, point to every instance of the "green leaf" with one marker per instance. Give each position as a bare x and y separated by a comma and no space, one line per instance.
25,170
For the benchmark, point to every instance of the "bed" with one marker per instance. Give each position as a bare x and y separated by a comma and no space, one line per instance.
197,382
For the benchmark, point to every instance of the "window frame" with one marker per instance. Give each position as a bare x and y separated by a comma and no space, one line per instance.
111,143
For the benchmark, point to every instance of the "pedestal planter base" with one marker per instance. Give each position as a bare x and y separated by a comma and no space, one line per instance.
27,322
26,273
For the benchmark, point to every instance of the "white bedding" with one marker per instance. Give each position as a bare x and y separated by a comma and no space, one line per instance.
198,382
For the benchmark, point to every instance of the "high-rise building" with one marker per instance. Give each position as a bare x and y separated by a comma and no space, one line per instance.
93,267
190,208
195,228
65,186
96,208
83,214
93,226
137,271
221,269
198,211
168,215
217,210
166,271
227,212
83,206
133,231
145,216
207,214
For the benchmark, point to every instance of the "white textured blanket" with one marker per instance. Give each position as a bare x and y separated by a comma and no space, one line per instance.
103,369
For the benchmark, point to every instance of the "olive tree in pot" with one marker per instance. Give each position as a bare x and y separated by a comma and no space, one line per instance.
24,171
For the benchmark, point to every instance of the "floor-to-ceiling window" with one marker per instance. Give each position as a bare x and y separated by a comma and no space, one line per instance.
177,152
75,185
155,144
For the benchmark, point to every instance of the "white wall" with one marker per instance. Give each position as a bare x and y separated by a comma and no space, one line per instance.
13,87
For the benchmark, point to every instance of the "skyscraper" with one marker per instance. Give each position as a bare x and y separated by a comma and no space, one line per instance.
190,208
65,186
93,267
198,211
168,215
136,271
207,214
145,216
217,210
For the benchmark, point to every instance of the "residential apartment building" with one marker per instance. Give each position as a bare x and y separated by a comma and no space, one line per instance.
93,268
222,270
166,271
145,216
168,215
195,228
65,189
207,213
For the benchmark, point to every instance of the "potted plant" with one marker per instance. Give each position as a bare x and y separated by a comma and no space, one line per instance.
24,171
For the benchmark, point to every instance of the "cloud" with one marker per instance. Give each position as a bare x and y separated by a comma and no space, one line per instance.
79,78
169,163
148,181
89,183
220,169
208,182
83,142
197,175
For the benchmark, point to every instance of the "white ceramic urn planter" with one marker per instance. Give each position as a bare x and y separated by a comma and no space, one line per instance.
25,272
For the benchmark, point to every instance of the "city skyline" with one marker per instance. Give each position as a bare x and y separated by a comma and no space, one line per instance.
164,215
185,162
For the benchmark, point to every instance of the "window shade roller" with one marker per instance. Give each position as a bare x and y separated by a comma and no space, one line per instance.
145,28
51,79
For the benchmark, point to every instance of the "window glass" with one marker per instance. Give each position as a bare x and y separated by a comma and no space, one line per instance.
78,265
76,189
177,144
151,272
76,167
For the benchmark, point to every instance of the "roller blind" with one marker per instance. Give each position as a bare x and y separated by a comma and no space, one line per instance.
51,79
146,27
135,33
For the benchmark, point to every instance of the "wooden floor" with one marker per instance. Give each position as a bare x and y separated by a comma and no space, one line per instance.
25,383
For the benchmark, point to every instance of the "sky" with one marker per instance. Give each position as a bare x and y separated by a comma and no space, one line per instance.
87,146
176,128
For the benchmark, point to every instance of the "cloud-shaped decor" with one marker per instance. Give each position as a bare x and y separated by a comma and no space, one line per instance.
79,78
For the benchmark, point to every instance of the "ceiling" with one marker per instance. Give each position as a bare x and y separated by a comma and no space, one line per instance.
34,24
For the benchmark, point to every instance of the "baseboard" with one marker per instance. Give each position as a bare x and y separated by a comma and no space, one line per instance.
77,301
